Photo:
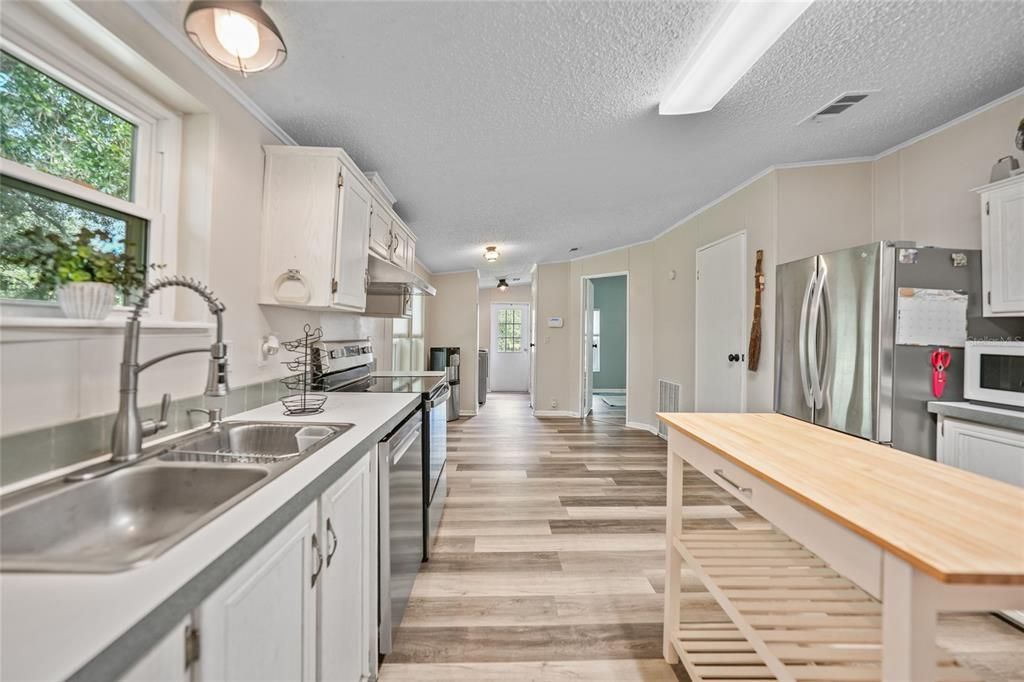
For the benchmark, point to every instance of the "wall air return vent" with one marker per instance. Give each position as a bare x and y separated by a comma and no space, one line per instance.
668,401
837,106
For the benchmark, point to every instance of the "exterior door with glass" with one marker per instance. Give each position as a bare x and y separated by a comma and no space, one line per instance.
510,347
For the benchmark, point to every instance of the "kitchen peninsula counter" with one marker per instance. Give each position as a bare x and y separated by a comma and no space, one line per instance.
864,535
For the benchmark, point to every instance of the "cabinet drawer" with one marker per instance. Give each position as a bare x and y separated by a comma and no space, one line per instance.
847,552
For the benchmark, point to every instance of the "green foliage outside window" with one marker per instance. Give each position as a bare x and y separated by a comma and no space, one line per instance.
510,330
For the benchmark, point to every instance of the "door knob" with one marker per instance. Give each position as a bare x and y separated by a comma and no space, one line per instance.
734,357
595,345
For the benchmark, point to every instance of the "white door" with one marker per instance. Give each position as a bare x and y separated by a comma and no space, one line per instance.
1002,229
348,604
380,230
349,286
165,662
510,347
721,326
588,349
261,623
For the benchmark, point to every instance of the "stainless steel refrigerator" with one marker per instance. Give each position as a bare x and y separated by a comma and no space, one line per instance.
837,363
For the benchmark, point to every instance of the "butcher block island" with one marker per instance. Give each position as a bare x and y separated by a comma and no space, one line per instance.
861,547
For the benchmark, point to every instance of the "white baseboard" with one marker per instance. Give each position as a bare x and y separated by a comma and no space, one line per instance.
643,427
468,413
599,391
555,413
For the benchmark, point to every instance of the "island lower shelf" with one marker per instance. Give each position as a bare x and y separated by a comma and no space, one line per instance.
793,617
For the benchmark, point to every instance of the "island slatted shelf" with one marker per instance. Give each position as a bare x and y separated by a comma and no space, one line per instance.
806,596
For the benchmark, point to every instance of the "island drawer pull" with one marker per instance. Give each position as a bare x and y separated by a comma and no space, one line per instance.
743,491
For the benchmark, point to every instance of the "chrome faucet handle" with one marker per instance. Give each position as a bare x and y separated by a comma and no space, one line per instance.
149,426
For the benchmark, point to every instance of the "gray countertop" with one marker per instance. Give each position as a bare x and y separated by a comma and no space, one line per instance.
981,414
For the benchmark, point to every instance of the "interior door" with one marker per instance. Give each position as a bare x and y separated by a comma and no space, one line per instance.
721,326
588,349
510,347
794,284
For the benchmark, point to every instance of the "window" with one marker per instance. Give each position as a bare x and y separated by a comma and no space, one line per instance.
81,147
510,330
597,341
408,352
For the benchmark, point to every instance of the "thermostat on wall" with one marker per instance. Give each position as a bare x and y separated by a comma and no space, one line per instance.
555,322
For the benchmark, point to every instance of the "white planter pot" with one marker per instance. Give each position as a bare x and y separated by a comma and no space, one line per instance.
86,300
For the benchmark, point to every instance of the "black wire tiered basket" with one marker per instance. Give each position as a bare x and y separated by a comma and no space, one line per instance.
308,367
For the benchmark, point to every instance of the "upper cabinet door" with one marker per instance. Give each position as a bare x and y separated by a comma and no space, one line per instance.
1002,243
353,233
380,231
400,244
261,623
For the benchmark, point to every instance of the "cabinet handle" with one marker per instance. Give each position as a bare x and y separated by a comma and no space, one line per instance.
319,560
366,280
332,542
743,491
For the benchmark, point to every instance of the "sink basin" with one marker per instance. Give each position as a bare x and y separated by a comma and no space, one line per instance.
116,521
254,443
123,517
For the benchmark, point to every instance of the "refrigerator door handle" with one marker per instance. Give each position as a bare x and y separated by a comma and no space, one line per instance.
805,382
812,333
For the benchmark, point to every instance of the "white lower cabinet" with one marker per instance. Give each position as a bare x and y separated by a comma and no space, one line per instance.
165,662
348,604
304,607
985,450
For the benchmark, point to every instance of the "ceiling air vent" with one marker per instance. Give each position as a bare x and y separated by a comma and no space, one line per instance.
838,106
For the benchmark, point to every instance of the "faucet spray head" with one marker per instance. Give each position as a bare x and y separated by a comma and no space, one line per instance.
217,374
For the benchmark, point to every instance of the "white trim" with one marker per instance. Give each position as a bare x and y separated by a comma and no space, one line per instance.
601,391
642,427
742,234
583,341
178,39
556,413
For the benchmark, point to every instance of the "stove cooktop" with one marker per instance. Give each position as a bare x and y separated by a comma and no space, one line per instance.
365,382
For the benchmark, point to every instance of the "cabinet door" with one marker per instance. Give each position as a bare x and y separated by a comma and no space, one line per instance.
986,450
1002,225
380,230
165,662
400,244
353,234
348,604
261,623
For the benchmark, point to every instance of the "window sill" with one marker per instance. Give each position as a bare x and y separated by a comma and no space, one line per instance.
23,328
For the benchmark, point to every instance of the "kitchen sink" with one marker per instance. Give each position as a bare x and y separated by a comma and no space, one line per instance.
122,519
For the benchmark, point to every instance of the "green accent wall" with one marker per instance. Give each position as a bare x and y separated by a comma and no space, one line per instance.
610,299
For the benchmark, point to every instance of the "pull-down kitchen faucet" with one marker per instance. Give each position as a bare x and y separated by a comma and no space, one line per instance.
129,427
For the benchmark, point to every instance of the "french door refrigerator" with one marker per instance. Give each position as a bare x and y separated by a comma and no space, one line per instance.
837,363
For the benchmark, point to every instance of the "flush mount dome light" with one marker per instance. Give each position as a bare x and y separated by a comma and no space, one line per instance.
491,254
237,34
502,284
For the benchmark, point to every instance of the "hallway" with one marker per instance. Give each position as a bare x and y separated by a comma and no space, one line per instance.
549,566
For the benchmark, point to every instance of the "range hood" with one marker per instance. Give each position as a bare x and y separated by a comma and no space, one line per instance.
387,278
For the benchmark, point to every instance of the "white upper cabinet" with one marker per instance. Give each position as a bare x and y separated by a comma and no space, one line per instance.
316,222
1002,244
380,231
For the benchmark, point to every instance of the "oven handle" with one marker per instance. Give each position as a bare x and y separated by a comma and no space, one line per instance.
441,397
408,437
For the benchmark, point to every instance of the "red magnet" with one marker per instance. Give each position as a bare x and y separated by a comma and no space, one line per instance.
940,363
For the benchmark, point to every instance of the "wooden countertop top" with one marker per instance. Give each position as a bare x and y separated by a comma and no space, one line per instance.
954,525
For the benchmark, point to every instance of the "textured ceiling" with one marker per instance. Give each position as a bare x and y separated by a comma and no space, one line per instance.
533,125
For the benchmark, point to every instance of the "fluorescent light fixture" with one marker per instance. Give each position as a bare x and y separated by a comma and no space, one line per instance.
738,37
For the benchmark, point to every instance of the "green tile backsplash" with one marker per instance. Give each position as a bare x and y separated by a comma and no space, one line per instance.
28,454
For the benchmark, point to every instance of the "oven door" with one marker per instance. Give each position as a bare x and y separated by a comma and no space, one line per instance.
994,372
435,455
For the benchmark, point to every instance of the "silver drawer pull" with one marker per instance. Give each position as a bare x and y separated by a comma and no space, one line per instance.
742,491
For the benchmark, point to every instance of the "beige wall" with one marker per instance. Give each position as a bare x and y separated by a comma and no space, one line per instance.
920,192
553,375
453,320
489,295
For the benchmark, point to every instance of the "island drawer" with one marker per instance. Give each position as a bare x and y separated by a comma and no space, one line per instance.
848,553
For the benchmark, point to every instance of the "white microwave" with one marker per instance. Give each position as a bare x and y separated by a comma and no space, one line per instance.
994,372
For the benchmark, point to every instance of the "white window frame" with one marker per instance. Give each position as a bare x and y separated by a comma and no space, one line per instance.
404,343
155,178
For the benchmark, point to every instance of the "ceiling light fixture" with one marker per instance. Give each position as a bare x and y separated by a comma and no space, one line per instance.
738,37
237,34
491,254
502,284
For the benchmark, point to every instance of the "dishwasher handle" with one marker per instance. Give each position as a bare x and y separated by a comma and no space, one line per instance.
404,439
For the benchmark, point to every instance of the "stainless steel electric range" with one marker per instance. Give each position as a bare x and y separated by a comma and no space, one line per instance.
350,367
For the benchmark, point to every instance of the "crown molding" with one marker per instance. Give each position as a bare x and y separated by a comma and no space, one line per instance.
178,39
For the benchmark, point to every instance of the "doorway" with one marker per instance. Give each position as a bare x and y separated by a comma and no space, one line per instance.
604,349
720,381
510,348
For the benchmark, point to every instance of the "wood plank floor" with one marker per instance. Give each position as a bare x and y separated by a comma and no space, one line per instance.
549,564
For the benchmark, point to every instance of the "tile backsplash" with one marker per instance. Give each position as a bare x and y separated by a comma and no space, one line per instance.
31,453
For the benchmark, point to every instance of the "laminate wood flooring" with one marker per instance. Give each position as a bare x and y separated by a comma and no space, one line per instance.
549,565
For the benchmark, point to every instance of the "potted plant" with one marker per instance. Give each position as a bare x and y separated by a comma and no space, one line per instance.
86,270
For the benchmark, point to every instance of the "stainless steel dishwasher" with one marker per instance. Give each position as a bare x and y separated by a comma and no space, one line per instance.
401,522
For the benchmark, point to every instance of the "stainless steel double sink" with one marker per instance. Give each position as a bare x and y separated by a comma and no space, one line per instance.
133,515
